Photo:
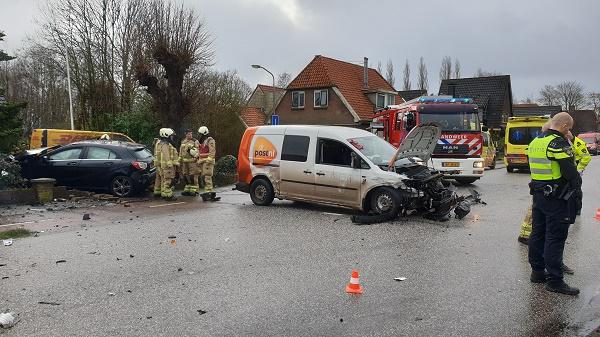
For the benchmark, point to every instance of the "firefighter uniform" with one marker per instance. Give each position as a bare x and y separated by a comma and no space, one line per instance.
554,178
208,152
157,180
167,161
188,152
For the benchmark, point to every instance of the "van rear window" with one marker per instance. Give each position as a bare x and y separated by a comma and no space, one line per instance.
295,148
524,135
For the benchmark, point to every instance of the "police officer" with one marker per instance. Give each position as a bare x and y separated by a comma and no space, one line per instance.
208,152
167,160
188,152
554,178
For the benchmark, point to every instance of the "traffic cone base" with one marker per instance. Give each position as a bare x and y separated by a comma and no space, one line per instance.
597,214
354,286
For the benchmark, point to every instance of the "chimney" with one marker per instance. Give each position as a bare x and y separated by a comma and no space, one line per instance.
366,73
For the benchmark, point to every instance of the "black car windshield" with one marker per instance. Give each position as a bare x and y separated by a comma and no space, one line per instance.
376,149
455,121
142,153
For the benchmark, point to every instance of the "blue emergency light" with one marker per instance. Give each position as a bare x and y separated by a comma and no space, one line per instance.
444,100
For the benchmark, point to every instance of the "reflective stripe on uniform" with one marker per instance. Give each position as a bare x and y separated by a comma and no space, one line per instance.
545,161
541,171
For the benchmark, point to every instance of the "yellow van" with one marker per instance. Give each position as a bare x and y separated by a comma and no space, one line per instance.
520,131
52,137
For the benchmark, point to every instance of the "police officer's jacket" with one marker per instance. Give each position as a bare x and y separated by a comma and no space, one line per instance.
582,155
551,161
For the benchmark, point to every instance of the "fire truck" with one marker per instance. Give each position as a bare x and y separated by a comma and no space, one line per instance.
458,151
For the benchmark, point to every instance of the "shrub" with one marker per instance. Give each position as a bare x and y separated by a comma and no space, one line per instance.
10,173
225,172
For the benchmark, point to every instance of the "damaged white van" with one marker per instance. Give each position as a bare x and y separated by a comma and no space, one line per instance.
343,167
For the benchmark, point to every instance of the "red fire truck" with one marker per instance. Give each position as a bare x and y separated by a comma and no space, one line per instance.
458,151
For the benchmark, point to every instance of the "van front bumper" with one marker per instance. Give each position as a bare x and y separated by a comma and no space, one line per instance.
460,167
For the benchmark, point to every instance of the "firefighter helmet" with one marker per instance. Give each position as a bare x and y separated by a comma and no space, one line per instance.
166,132
203,130
105,137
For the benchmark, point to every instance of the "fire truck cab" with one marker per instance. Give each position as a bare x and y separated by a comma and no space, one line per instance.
458,152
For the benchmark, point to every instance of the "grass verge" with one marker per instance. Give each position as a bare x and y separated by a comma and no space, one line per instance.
14,233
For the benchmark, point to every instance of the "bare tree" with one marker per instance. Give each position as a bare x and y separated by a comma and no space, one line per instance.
389,73
482,73
569,94
379,70
406,80
457,68
175,40
594,101
549,95
422,81
283,80
446,68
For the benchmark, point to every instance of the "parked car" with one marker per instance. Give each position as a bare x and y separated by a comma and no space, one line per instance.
344,167
121,168
592,141
488,152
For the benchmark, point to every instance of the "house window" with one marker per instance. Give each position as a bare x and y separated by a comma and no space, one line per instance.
321,98
297,99
390,99
380,101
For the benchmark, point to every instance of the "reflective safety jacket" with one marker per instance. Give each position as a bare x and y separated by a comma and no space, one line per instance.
184,150
166,155
208,150
545,152
582,155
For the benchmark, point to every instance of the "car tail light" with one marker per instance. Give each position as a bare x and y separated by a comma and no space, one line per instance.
139,165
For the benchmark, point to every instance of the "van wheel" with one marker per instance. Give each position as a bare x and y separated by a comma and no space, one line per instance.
510,169
385,200
465,181
261,192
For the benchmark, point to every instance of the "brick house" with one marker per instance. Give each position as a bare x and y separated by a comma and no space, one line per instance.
333,92
260,105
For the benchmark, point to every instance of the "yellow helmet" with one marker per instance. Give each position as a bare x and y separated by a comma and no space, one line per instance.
166,132
203,130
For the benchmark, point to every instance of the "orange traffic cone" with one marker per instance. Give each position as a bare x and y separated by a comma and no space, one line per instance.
597,214
354,286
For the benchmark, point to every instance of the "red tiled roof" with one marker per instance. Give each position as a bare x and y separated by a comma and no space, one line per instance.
327,72
253,116
268,88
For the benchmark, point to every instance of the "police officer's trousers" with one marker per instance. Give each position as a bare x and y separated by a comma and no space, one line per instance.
551,220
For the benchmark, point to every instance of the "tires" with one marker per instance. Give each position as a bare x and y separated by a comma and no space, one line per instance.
510,169
261,192
122,186
385,200
465,181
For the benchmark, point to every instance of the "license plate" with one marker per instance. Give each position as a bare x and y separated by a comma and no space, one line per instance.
450,164
519,161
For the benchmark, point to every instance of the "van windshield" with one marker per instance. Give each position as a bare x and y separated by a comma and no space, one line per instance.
376,149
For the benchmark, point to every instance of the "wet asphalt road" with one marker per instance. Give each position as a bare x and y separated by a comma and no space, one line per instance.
237,269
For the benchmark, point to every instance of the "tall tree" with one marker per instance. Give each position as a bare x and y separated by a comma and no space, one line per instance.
446,68
379,69
389,73
3,55
283,80
457,68
175,40
569,94
406,79
482,73
10,125
549,95
594,100
422,81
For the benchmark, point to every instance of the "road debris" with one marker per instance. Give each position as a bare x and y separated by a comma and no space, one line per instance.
131,256
48,303
226,239
8,242
399,278
86,216
61,261
171,237
201,312
8,320
111,294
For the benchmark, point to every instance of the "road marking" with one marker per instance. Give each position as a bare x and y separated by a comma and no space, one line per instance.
171,204
25,223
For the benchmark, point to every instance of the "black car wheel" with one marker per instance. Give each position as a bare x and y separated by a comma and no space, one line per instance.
261,192
385,200
122,186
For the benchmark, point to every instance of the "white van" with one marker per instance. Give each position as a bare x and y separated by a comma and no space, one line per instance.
331,165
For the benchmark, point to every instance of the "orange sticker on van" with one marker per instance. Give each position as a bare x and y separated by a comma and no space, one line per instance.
264,152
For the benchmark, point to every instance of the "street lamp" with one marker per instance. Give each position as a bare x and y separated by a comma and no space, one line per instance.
257,66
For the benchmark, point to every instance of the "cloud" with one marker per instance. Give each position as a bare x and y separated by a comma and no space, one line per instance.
290,9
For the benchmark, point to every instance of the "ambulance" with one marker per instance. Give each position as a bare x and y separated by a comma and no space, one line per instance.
520,131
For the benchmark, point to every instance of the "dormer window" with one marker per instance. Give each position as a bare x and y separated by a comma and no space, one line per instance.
384,100
321,98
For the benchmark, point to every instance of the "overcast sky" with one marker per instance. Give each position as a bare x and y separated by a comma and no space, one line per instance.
537,42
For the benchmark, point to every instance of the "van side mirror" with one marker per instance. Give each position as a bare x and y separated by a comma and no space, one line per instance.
355,161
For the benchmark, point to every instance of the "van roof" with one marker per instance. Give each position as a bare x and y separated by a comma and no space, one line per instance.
342,131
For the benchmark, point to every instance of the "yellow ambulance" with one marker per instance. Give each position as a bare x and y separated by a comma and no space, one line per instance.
520,131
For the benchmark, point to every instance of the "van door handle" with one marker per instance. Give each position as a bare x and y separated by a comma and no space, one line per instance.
320,173
307,172
73,163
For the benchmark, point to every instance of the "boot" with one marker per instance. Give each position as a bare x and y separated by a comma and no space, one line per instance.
567,270
171,198
523,240
213,197
562,288
205,196
538,277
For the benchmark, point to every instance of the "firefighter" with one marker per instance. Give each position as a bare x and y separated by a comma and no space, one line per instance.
208,151
554,179
188,152
167,160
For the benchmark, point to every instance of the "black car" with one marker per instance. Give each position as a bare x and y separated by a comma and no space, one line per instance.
118,167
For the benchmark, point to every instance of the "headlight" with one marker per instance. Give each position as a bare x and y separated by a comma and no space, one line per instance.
478,164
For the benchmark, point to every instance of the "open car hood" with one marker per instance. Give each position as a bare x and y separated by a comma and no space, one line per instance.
420,142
